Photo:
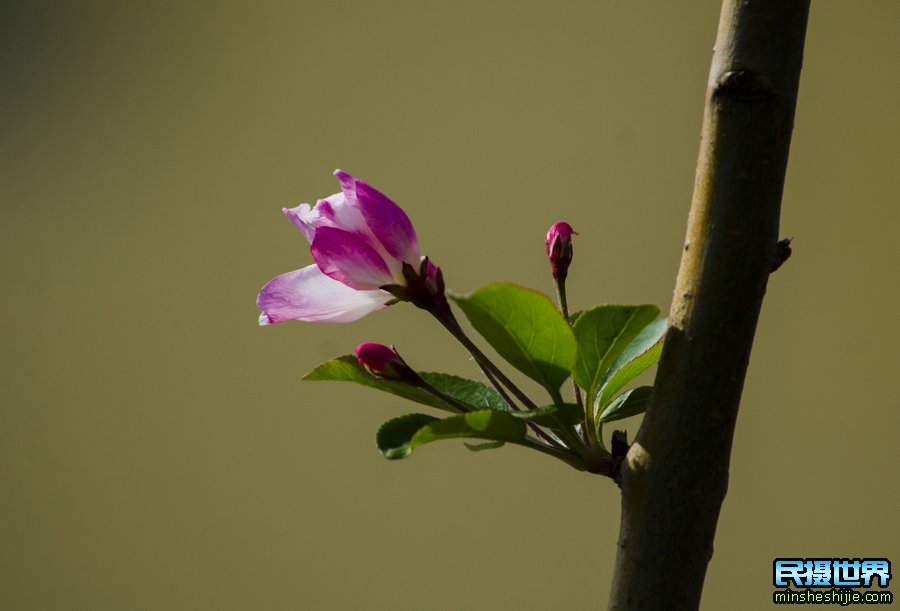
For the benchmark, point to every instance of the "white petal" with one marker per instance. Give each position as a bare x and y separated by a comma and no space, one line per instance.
308,294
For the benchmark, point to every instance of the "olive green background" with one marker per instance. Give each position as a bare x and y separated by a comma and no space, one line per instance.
157,450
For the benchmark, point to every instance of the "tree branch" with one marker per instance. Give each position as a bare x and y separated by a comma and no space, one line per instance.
675,475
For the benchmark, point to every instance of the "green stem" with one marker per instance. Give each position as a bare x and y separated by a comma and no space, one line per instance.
567,457
594,438
561,295
590,428
569,435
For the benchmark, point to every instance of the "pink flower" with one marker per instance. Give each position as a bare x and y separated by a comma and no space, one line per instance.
559,248
360,241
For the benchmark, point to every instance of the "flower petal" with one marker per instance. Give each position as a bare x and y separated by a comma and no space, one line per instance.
348,185
387,221
338,211
308,294
332,211
301,217
347,257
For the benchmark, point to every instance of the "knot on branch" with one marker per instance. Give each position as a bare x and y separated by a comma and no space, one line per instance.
619,449
744,86
782,253
620,444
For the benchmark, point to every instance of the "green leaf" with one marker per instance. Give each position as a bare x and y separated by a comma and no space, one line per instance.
394,436
603,332
487,445
469,392
347,369
552,415
525,328
629,403
397,438
567,413
640,354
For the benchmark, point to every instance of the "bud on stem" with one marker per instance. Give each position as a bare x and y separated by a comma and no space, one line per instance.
559,249
384,362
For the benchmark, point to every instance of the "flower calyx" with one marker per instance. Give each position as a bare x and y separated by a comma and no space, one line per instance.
424,287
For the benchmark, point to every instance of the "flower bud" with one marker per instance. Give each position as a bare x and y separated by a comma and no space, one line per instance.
559,248
383,362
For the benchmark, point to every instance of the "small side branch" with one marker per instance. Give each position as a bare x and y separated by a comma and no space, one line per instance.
782,253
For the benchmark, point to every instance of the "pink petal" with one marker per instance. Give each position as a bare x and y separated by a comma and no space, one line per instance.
347,257
386,220
302,218
338,211
308,294
329,212
348,186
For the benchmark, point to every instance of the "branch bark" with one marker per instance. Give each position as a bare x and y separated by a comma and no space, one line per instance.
675,475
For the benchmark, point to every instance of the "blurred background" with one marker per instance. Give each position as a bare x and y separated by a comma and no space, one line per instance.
157,449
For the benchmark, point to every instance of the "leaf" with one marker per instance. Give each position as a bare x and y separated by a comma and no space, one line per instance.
487,445
603,332
640,354
397,438
469,392
569,413
393,438
629,403
525,328
347,369
553,415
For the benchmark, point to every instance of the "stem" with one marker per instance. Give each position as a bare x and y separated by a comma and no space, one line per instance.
499,387
544,435
674,477
561,296
491,372
562,454
566,433
463,408
494,374
452,325
590,425
570,435
590,429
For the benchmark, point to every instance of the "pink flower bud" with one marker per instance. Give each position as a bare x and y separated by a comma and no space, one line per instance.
384,362
559,248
